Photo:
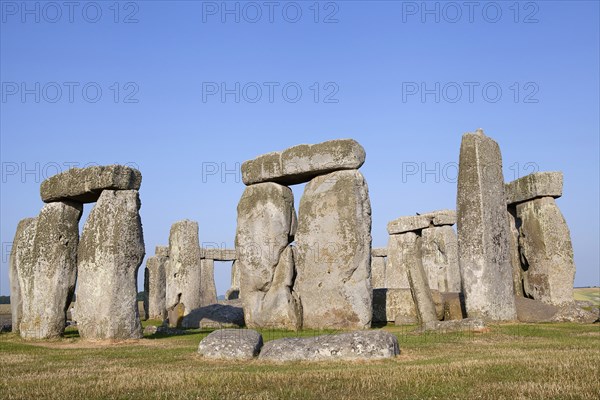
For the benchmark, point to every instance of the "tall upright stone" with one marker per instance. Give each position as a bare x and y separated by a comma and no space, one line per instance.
48,271
109,256
483,232
334,251
208,289
378,267
234,291
22,245
183,271
157,285
546,251
396,276
266,224
515,256
440,258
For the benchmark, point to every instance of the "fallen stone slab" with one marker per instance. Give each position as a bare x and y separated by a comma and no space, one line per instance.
231,344
215,316
359,345
301,163
86,184
379,252
533,186
572,312
162,330
462,325
529,310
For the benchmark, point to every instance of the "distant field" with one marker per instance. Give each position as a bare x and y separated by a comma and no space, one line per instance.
588,294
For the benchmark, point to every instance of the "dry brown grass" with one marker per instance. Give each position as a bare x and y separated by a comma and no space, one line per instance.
513,361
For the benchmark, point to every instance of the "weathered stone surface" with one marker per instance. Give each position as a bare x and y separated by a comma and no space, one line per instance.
407,224
572,312
378,272
48,270
231,344
145,309
417,278
234,291
109,255
483,234
417,222
515,255
396,276
454,306
546,251
162,251
157,287
533,311
389,304
334,252
379,252
162,330
218,254
302,163
463,325
533,186
215,316
265,226
358,345
183,271
86,184
21,246
208,289
439,246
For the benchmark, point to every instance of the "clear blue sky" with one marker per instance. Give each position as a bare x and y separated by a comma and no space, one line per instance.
405,80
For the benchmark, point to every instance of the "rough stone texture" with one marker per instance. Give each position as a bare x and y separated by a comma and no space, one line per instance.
358,345
417,278
483,233
266,225
157,287
304,162
408,224
109,255
217,254
396,276
379,252
533,186
208,289
389,304
230,315
533,311
454,306
378,272
421,221
546,251
231,344
183,271
234,291
515,256
334,252
48,270
86,184
463,325
439,247
21,246
162,251
572,312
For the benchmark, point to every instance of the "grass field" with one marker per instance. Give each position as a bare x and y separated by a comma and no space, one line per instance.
587,294
512,361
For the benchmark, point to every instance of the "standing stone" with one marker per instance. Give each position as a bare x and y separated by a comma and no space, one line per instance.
146,300
234,291
417,278
334,251
48,272
22,245
157,287
109,255
266,224
396,276
378,266
483,234
208,289
546,251
183,271
515,256
440,258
